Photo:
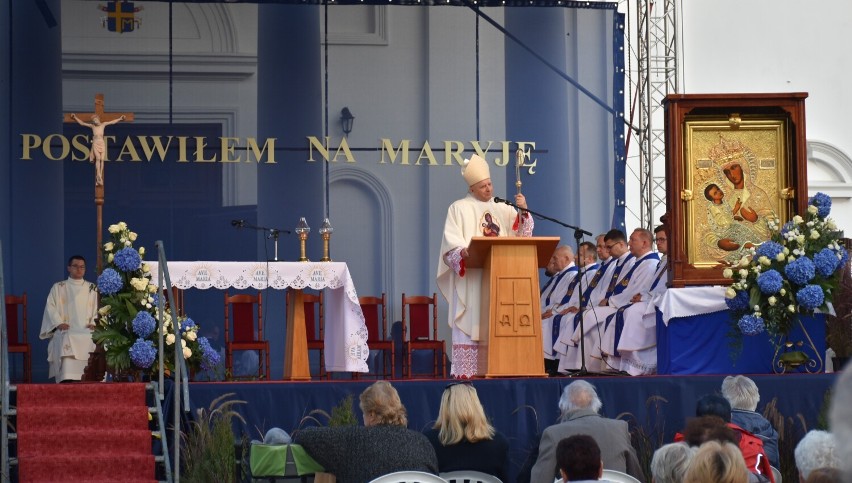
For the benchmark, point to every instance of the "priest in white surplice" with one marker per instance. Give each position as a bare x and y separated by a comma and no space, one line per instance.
475,215
69,317
632,342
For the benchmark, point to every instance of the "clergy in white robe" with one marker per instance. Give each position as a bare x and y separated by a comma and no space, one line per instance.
475,215
631,282
69,318
563,270
637,344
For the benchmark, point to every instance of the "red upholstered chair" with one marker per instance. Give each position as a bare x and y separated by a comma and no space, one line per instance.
315,327
240,333
375,311
16,330
420,332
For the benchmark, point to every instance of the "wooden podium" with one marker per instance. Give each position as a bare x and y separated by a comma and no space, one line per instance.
510,310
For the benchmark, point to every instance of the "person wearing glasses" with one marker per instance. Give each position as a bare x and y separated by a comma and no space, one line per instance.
464,439
384,444
631,343
69,318
632,275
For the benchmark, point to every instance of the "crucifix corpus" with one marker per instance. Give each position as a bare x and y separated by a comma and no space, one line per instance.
97,122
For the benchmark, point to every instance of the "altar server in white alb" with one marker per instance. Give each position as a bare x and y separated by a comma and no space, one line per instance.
475,215
69,318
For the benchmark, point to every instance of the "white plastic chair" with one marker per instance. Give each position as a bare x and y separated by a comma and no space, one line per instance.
409,477
469,476
776,473
618,477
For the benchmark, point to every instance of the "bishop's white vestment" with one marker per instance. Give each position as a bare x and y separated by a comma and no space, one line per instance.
461,286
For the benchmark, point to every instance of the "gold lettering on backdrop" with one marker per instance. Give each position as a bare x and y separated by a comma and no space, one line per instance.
454,150
158,145
29,142
128,149
228,147
48,152
313,142
387,147
80,143
200,149
268,145
426,152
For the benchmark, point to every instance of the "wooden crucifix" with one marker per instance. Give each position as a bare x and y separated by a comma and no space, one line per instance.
97,122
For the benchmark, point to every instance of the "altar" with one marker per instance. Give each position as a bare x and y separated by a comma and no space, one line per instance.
693,336
346,334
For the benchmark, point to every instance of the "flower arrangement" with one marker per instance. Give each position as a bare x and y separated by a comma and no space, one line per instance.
795,272
128,323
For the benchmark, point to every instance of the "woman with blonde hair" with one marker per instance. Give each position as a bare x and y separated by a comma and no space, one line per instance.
463,438
359,454
717,463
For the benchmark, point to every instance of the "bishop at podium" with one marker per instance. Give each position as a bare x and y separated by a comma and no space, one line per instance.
477,214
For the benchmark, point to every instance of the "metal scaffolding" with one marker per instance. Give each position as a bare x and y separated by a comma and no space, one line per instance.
655,51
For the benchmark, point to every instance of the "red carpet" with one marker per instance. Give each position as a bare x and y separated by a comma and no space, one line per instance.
94,432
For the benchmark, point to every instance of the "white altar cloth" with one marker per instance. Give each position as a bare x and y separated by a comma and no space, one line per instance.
346,334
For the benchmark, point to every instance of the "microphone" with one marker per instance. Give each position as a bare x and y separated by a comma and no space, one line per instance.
238,223
497,199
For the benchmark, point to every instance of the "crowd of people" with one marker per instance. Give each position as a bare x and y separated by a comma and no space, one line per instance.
726,441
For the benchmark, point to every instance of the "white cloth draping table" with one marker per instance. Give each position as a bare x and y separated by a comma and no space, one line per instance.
345,343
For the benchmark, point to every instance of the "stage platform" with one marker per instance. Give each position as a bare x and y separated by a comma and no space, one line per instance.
519,408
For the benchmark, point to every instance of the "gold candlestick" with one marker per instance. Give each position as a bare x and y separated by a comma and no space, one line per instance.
325,231
302,229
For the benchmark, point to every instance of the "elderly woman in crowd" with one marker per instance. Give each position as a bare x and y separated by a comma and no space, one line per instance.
743,395
464,439
359,454
670,462
818,449
717,463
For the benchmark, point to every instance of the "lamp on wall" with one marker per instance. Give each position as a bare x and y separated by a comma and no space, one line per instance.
347,120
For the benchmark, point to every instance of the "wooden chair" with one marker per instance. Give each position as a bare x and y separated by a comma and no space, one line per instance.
16,311
375,311
315,327
176,298
240,310
416,333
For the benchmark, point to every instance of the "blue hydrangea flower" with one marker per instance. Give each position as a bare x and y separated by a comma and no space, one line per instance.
127,259
810,296
825,262
823,203
787,227
143,324
189,323
209,357
800,271
770,281
844,257
751,324
109,282
769,250
740,302
156,301
142,353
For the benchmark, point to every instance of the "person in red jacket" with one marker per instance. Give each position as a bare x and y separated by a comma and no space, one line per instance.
750,445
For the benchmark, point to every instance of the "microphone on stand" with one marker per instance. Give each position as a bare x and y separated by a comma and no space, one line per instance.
238,223
497,199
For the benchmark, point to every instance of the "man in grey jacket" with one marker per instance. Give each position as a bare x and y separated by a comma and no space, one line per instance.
579,405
